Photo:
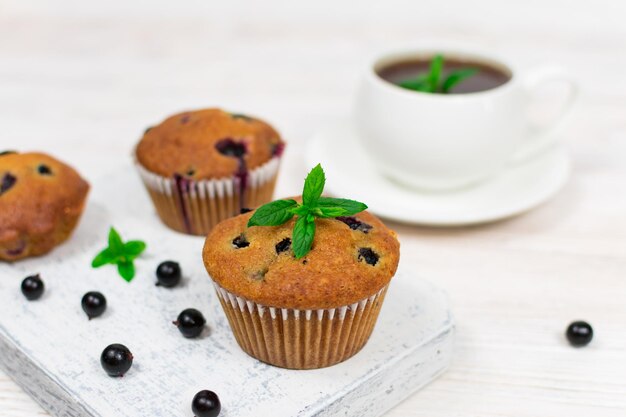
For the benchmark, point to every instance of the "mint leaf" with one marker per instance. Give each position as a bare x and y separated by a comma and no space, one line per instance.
300,210
273,214
433,81
313,186
314,205
302,237
103,258
126,270
419,83
343,206
121,254
115,242
133,248
456,77
436,66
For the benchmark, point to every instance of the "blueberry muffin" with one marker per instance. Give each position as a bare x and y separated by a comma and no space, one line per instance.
302,313
41,201
201,167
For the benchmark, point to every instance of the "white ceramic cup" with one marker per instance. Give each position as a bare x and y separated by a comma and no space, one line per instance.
439,142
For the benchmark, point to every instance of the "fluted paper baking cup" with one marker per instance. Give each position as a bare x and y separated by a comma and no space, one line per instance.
195,207
301,339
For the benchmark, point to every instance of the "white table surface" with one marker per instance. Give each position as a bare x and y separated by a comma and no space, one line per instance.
83,79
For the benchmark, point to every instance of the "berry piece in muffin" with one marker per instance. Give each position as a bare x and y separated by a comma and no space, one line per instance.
41,201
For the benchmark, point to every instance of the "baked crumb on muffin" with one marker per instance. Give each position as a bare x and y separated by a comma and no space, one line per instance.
209,143
351,258
41,201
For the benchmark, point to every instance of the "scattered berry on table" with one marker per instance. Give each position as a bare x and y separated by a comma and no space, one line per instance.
579,333
206,404
116,360
168,274
32,287
190,322
94,304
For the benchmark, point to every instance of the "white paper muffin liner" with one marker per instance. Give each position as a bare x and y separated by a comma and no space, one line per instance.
195,207
301,339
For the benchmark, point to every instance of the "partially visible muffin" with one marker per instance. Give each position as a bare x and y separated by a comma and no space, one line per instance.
41,201
302,313
203,166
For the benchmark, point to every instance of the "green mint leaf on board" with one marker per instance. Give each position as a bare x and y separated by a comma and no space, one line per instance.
313,186
115,241
126,270
456,77
303,234
120,254
273,214
133,248
313,206
103,258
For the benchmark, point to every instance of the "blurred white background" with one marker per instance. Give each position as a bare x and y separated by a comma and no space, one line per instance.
93,75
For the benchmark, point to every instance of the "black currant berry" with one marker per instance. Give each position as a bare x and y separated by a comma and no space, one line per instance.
168,274
579,333
190,322
44,170
8,181
283,245
94,304
116,360
230,147
240,242
368,255
355,224
206,404
32,287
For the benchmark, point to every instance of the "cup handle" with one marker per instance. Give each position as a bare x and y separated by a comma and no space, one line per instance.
542,137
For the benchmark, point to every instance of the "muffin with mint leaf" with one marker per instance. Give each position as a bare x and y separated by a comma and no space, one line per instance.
201,167
302,280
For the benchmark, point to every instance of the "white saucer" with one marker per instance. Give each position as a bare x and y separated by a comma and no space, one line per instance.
518,189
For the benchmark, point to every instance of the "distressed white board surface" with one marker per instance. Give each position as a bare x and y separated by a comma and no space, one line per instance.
52,350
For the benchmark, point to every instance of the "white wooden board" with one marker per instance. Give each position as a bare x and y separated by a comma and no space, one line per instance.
52,350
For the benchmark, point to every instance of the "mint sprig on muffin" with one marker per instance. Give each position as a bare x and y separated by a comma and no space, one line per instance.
313,206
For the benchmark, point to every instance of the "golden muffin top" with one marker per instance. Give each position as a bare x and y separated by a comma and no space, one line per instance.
208,143
351,258
36,192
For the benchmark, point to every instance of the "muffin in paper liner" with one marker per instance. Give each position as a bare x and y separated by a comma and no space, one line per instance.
301,339
196,206
42,200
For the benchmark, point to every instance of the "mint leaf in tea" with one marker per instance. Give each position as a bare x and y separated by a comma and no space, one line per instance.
441,75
